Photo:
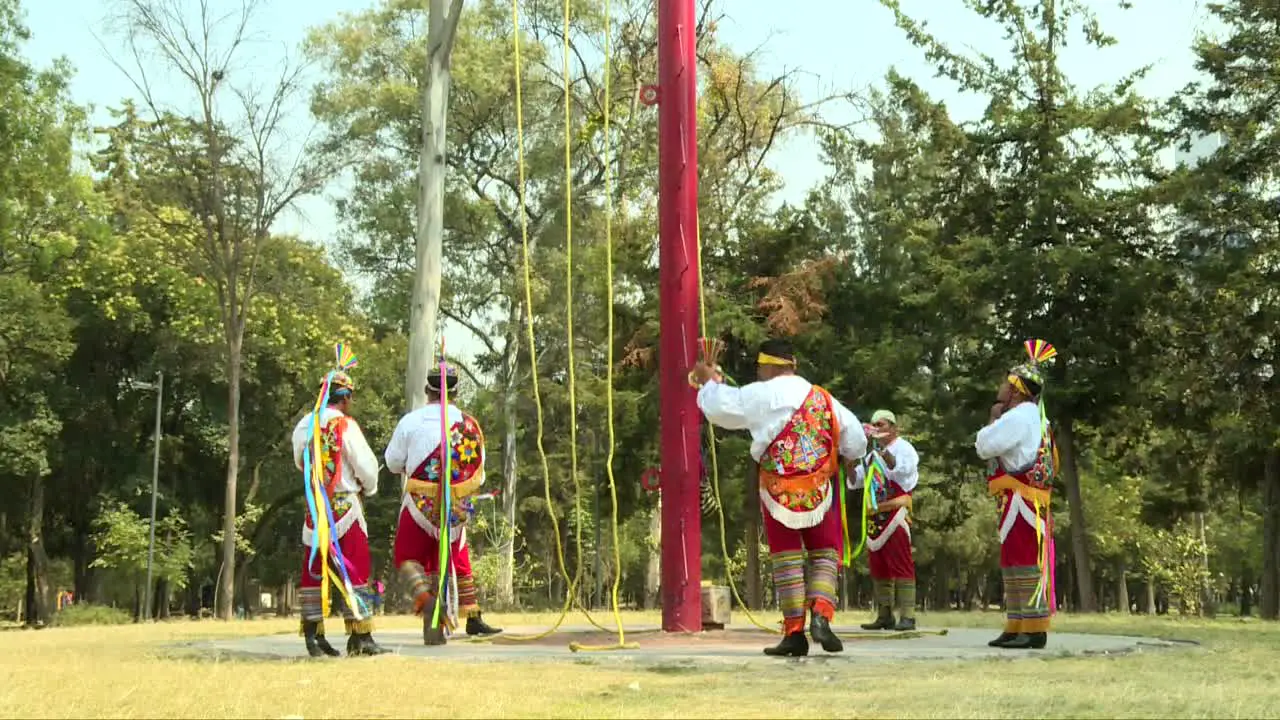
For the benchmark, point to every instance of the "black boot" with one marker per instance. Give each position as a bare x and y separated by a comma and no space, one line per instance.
905,624
1039,640
1021,641
432,636
1000,641
883,621
363,644
820,630
477,626
317,646
793,645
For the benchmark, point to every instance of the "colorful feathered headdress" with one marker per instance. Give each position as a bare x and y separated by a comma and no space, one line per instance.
1028,378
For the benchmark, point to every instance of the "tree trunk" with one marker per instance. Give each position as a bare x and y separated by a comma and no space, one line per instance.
226,579
652,580
1079,532
1122,588
425,303
161,610
1269,602
510,458
1246,591
1208,604
751,514
37,596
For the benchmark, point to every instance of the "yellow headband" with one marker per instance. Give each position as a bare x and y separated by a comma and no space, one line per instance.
1018,385
766,359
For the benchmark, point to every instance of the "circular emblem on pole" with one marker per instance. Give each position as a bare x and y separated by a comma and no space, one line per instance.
651,479
649,95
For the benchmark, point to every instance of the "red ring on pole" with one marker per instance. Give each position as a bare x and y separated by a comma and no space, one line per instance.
651,479
649,95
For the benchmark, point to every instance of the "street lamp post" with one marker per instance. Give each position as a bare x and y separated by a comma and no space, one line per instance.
158,386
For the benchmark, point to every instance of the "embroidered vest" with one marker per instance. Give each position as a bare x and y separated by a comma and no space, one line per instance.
878,523
330,461
466,471
796,468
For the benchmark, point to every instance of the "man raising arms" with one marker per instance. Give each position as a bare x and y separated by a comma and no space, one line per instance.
798,434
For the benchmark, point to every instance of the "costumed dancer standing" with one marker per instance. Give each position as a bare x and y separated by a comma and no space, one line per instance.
416,448
1018,440
893,569
329,445
798,434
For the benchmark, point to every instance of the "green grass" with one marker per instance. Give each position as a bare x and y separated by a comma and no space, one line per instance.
131,671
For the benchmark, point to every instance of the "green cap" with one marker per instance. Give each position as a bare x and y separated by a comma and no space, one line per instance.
884,415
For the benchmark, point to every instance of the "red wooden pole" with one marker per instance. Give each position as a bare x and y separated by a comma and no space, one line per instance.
681,421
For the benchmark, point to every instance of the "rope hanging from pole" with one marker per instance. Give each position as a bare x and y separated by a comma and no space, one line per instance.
572,583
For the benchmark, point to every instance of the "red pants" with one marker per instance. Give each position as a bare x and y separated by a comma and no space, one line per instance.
355,550
893,561
1028,585
1020,548
416,545
826,535
417,556
805,565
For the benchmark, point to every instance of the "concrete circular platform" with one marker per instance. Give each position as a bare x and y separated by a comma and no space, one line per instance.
734,646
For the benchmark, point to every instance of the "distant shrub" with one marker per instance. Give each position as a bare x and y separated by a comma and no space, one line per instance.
85,614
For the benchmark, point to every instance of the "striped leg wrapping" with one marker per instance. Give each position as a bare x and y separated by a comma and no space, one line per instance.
821,581
883,590
365,597
1024,611
905,590
422,586
468,597
788,582
311,607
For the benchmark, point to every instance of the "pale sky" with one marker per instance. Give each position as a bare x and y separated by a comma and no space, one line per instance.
835,44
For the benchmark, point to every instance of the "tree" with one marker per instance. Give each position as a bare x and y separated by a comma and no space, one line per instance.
1229,240
224,178
123,539
1070,254
42,216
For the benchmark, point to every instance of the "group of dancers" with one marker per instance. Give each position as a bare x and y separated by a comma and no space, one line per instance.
350,474
802,438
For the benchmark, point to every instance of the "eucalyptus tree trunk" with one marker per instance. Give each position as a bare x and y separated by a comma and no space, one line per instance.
442,28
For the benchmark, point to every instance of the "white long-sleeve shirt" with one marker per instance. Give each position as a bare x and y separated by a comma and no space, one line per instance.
359,464
1014,438
417,436
765,408
905,472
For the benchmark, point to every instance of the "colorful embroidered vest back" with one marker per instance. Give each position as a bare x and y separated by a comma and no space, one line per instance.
808,442
331,451
466,459
797,467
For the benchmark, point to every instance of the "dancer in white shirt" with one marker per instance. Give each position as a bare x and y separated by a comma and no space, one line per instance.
799,432
350,474
416,450
1018,440
893,568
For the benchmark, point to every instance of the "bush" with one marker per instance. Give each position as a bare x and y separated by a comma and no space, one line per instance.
85,614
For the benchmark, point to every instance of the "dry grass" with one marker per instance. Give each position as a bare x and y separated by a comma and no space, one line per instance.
131,672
